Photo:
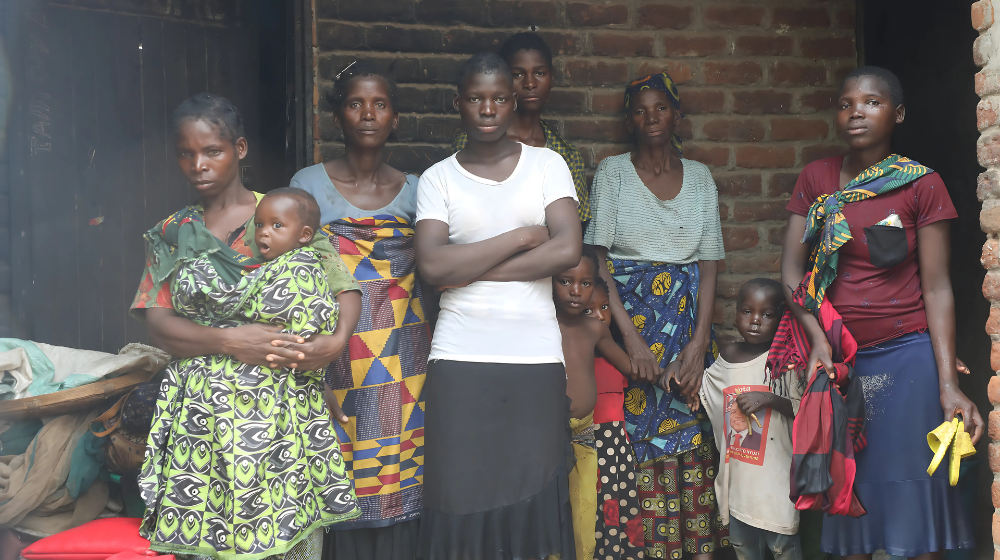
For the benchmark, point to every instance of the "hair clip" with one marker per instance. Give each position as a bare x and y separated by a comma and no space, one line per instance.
345,68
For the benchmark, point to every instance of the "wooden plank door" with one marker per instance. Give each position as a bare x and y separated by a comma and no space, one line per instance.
94,167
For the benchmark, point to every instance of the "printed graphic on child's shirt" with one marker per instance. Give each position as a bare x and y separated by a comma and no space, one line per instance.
745,438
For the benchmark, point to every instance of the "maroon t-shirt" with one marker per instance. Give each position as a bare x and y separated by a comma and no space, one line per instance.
877,304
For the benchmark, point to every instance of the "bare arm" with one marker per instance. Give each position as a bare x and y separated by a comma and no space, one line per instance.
794,255
613,353
645,366
752,401
444,264
560,252
933,253
692,356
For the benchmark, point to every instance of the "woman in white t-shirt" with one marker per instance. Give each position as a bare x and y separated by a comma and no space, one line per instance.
494,222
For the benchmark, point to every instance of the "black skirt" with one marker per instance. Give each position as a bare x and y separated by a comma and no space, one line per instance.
497,446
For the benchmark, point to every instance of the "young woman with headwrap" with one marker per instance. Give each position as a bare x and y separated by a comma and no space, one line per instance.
655,219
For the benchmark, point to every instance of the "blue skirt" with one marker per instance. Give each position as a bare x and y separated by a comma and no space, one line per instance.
909,512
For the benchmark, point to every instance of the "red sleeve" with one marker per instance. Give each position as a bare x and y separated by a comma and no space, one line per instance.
933,201
805,191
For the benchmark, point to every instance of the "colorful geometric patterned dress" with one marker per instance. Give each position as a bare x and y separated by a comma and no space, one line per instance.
242,460
379,381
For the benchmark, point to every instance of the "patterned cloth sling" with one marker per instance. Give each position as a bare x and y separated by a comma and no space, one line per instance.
662,301
826,227
379,382
242,460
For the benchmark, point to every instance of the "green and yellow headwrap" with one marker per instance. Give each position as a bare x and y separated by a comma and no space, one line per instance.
663,83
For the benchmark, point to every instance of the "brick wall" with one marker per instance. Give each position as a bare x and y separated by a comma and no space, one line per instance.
757,80
986,52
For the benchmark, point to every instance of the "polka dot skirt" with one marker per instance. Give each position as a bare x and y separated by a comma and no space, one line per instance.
619,518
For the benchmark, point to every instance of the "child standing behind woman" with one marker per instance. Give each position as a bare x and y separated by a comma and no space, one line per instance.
619,521
573,290
494,222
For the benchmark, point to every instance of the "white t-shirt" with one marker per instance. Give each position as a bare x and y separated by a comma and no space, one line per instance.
496,322
753,480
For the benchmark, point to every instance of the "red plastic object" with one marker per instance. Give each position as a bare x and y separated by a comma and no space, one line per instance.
140,554
96,540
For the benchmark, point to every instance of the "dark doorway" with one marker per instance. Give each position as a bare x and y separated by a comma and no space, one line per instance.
90,147
928,44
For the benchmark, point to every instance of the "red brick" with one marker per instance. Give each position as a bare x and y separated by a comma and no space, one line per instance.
799,129
455,12
522,13
758,211
567,101
608,101
991,287
732,73
743,184
724,216
764,45
734,130
827,47
996,516
716,156
608,150
663,16
990,258
819,100
820,151
993,425
335,36
696,102
680,72
798,74
560,43
756,157
371,10
600,129
756,262
588,72
993,323
987,82
994,457
981,50
994,361
685,129
800,17
724,314
621,44
730,16
728,287
989,150
776,235
735,238
697,45
988,185
987,112
781,184
982,19
846,19
989,218
995,493
993,389
759,101
596,14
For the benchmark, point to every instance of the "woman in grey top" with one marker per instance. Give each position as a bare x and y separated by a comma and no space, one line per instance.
368,209
656,220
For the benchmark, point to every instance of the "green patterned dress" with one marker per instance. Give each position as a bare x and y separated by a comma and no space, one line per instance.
242,461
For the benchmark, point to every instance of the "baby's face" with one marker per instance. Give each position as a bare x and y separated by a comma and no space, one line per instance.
279,228
573,288
757,316
600,307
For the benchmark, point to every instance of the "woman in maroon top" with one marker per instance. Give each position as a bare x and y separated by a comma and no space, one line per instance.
901,311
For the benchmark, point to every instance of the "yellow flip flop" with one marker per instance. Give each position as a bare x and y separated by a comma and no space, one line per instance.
950,435
940,440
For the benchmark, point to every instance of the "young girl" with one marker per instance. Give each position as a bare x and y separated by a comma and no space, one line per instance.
530,62
619,520
494,222
368,212
241,460
884,219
